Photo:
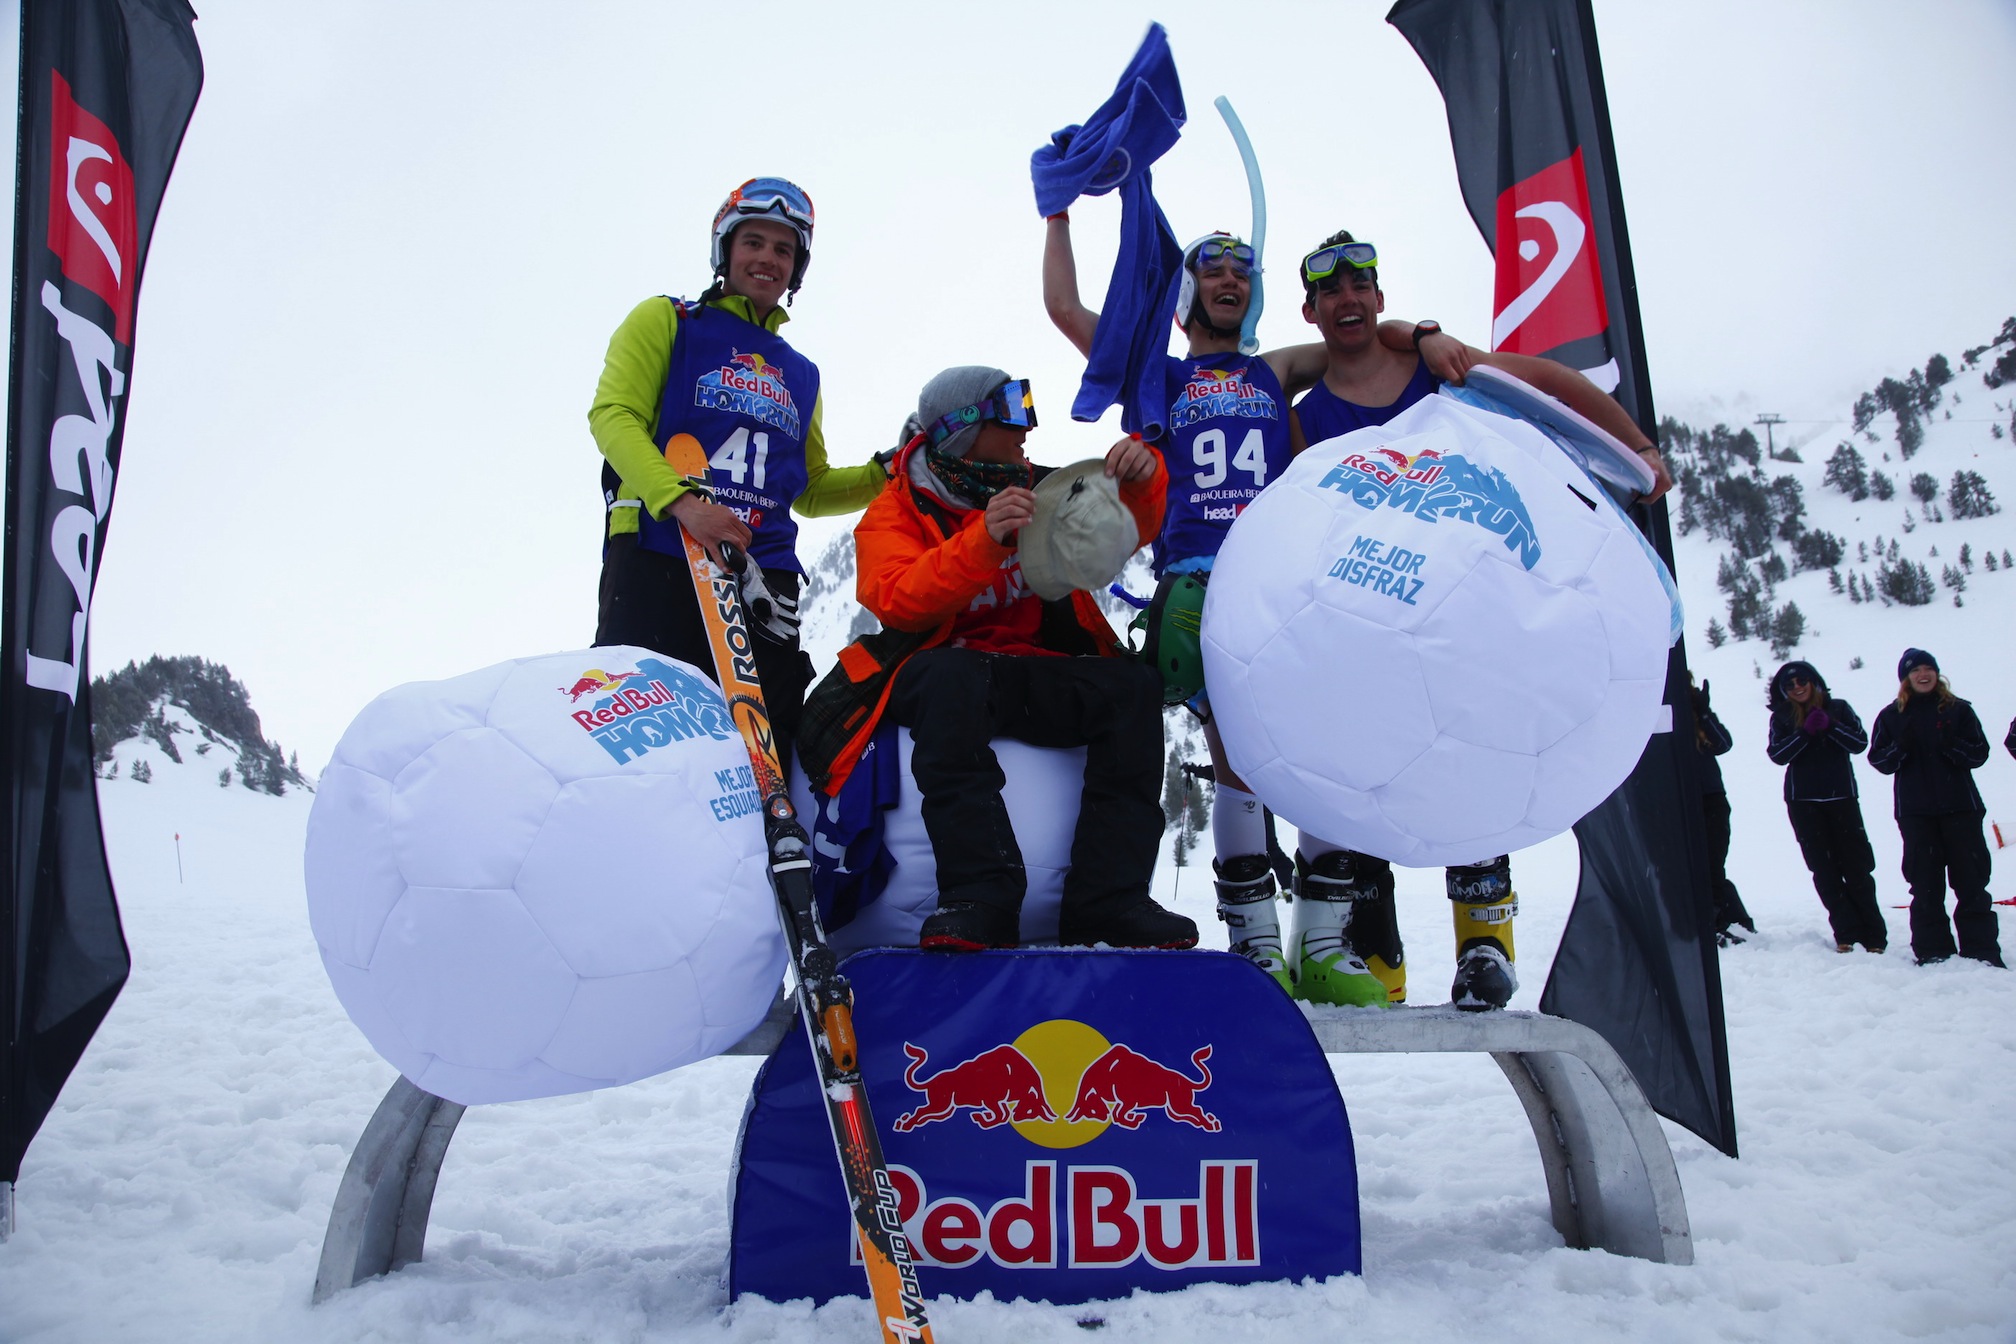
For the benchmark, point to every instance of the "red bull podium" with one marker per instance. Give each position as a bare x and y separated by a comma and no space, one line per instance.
1061,1125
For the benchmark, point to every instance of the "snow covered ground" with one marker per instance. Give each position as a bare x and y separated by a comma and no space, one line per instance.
180,1190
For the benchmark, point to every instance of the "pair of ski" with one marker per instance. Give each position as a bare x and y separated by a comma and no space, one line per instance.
825,999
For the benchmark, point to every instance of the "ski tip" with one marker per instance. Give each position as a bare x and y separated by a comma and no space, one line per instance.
680,444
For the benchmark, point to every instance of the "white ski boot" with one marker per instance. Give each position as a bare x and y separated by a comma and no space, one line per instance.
1246,904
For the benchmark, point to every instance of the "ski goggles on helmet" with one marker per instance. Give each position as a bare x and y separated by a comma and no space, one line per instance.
1011,404
1221,248
1330,263
769,196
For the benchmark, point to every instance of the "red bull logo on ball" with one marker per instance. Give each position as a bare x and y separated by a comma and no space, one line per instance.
650,706
749,384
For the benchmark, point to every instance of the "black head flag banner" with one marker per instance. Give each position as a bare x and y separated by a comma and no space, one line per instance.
1523,85
107,88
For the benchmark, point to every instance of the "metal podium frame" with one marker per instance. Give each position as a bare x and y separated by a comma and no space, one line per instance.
1611,1181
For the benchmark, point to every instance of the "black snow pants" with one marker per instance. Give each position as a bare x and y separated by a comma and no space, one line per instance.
1947,848
956,701
1837,853
1729,910
647,599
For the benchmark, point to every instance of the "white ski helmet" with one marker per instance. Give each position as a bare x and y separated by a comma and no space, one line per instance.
1186,290
765,198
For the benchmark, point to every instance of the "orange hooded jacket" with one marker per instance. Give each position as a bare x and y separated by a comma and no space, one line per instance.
919,566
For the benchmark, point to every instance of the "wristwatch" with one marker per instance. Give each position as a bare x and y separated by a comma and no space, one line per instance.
1430,327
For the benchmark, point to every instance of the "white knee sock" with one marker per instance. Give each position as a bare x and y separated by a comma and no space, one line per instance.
1236,823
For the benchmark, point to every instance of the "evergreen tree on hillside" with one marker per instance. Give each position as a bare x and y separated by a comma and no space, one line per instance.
128,703
1818,549
1881,486
1969,496
1924,487
1846,473
1788,627
1906,583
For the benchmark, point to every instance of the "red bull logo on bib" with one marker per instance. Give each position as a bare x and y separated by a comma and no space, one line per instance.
1221,392
750,385
1112,1138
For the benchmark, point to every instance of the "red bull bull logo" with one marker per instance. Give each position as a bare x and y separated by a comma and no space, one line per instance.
593,680
1023,1082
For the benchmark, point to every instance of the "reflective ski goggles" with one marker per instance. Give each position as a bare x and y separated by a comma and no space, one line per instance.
1012,404
1215,250
1328,262
769,196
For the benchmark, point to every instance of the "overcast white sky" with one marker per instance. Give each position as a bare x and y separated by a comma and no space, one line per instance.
399,236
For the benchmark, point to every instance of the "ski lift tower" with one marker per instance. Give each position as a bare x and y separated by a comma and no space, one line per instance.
1767,420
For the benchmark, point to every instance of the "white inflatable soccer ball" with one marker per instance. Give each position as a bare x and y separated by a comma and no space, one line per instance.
1433,641
545,877
1042,791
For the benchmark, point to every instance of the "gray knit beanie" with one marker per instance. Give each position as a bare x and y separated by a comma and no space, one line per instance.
952,390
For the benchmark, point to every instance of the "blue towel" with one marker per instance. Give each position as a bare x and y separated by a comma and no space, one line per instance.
1113,149
850,864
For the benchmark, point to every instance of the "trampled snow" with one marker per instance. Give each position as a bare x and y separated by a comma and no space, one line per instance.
181,1187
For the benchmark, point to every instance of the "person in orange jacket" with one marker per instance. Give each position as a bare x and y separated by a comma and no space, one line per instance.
937,555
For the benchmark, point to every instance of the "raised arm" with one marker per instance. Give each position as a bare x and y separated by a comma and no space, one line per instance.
1060,286
1562,383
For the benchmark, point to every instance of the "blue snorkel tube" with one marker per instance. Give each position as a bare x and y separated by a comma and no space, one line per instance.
1249,340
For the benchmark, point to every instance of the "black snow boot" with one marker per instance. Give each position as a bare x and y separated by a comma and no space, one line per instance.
970,926
1143,924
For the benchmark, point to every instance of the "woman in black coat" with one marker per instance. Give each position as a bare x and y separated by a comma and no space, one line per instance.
1931,741
1816,738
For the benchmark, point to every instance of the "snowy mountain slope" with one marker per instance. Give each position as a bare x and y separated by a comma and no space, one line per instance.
180,1189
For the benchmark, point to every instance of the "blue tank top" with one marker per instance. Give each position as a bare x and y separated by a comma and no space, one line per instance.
748,397
1325,415
1227,439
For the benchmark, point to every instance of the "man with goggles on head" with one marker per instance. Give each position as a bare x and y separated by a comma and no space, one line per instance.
1228,433
978,655
1346,906
717,369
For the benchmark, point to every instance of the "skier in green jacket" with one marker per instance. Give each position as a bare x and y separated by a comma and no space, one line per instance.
717,369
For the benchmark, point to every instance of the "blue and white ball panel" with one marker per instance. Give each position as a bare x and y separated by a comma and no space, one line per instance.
545,877
1427,642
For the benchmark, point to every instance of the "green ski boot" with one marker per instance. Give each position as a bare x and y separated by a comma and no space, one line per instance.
1326,968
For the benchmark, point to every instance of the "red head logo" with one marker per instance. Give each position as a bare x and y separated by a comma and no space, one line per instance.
1550,281
93,229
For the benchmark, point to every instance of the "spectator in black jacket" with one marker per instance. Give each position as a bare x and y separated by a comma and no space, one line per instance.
1932,743
1816,738
1711,739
